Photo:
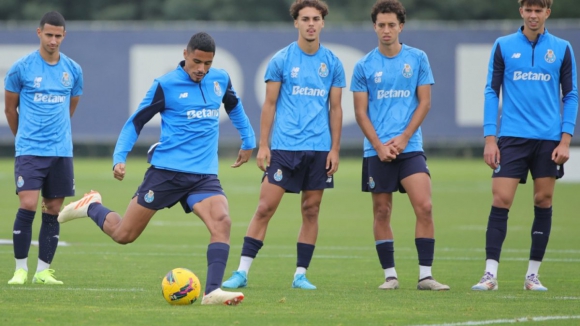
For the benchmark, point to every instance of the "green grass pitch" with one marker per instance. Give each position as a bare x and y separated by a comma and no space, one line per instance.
110,284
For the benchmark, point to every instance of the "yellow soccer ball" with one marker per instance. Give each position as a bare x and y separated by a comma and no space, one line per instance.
180,287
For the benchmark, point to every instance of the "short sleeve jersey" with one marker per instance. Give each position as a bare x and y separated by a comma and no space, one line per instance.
44,127
302,109
391,84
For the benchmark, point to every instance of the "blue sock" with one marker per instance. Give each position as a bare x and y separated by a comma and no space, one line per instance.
496,232
251,247
386,253
98,213
305,252
22,233
540,232
425,250
217,258
48,237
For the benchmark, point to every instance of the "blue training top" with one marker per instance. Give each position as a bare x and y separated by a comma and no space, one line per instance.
530,75
45,90
302,110
391,84
189,121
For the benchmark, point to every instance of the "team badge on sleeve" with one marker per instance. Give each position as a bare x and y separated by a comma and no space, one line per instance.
323,70
407,71
149,197
550,57
65,79
217,89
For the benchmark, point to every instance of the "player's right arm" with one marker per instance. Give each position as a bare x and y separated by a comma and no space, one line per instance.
495,74
153,103
11,101
266,122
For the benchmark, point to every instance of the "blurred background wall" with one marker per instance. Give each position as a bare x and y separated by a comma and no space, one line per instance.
123,45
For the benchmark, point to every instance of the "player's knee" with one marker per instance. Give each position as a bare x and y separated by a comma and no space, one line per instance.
123,237
424,208
264,211
382,212
543,200
310,211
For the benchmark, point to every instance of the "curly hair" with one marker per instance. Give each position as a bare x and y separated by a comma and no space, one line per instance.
298,5
386,7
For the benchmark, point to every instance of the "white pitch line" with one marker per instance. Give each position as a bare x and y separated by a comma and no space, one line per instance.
505,321
58,288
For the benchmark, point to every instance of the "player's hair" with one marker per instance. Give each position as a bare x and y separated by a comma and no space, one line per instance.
298,5
53,18
201,41
387,7
539,3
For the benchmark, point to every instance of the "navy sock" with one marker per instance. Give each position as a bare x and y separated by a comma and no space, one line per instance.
540,232
98,213
496,232
425,250
386,254
251,247
48,237
22,233
217,258
305,252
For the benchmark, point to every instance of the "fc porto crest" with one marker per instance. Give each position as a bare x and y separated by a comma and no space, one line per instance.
550,57
407,71
372,183
149,197
65,79
278,175
323,70
20,181
497,169
217,89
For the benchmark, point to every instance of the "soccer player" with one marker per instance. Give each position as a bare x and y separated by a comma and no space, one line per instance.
42,90
302,113
530,67
184,163
392,95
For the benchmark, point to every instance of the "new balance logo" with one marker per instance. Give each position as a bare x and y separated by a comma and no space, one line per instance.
516,55
16,231
183,95
538,232
329,180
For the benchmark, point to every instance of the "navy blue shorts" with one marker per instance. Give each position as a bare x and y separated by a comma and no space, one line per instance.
299,170
385,177
164,188
520,155
54,175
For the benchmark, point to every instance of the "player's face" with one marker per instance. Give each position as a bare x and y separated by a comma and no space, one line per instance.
50,37
197,63
534,17
309,24
388,28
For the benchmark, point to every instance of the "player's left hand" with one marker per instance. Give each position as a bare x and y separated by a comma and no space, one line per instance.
561,154
399,143
331,163
243,157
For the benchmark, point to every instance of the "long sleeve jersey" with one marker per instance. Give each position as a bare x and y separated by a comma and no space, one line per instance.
530,76
189,121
